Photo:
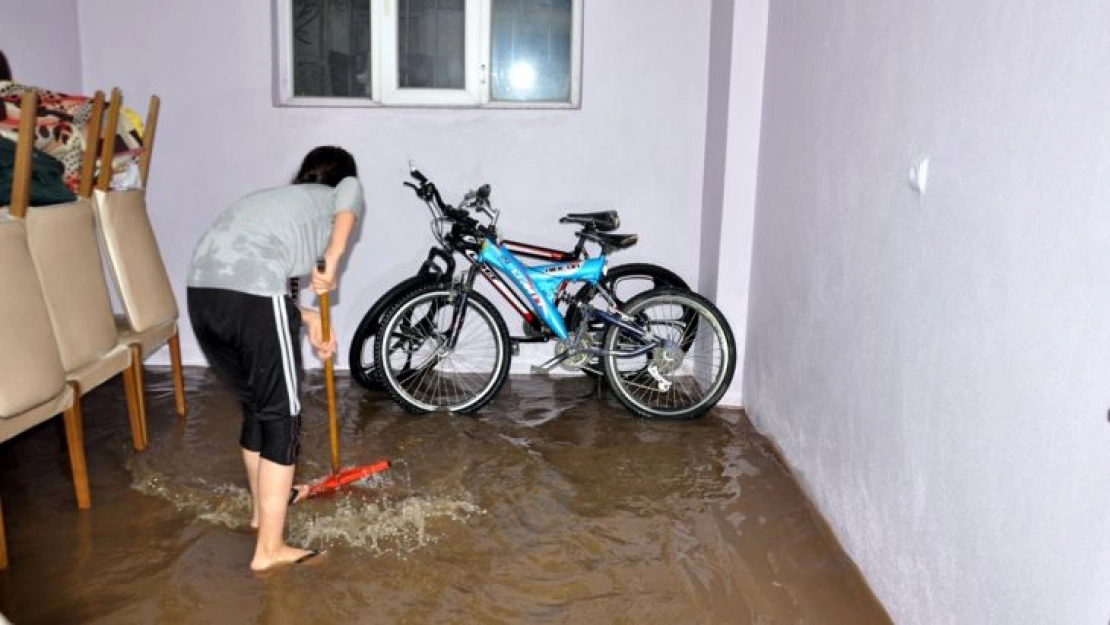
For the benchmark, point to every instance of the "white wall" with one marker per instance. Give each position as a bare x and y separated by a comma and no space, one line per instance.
637,144
728,270
937,369
716,145
41,41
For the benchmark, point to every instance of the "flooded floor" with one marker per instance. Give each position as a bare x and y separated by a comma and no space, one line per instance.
553,505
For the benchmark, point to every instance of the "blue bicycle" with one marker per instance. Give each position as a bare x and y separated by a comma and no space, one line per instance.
665,353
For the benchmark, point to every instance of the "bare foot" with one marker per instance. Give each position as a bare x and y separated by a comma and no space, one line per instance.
285,556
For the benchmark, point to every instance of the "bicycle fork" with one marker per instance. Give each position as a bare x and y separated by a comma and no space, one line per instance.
459,314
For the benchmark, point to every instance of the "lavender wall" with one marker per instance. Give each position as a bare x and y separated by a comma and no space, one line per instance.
637,144
42,42
716,144
740,163
935,368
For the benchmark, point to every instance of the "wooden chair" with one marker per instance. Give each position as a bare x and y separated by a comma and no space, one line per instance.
63,243
142,284
33,385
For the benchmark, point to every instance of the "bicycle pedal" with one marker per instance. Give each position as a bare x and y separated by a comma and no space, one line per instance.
538,370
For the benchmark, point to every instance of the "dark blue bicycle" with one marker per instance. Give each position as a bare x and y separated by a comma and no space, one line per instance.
665,353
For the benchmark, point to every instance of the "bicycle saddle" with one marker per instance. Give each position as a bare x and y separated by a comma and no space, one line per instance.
610,242
603,221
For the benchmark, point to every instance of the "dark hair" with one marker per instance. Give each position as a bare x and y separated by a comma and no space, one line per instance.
326,164
5,69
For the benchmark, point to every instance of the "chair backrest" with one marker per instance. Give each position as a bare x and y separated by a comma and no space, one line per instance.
136,263
31,370
63,243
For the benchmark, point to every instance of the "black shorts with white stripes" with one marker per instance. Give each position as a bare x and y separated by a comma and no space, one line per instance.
253,344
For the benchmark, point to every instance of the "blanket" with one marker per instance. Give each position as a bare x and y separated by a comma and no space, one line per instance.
60,128
47,186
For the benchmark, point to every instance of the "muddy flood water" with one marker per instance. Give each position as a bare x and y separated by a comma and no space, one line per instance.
553,505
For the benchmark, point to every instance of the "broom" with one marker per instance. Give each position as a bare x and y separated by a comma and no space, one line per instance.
338,478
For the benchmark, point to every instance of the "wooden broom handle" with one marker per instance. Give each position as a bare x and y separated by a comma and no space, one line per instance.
329,374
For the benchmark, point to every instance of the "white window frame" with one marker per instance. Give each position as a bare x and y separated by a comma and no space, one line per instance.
384,90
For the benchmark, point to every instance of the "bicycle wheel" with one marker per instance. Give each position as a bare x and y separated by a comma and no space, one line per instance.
685,375
420,369
622,282
360,356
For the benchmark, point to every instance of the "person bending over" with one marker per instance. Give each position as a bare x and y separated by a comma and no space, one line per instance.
249,327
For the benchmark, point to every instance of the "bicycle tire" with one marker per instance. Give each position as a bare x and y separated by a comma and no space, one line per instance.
360,355
672,382
416,329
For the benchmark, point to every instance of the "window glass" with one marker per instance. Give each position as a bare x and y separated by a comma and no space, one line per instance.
449,53
431,44
530,50
331,48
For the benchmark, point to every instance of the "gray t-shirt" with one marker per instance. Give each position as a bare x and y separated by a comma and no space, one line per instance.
269,236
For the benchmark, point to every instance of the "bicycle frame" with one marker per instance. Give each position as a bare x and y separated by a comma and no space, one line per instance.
514,298
539,252
540,283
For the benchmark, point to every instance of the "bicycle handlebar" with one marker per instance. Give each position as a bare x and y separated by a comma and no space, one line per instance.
465,226
428,192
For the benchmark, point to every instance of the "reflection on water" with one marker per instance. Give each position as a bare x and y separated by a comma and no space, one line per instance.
554,505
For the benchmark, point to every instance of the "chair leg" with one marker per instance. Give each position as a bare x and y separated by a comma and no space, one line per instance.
137,373
178,376
136,402
75,441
